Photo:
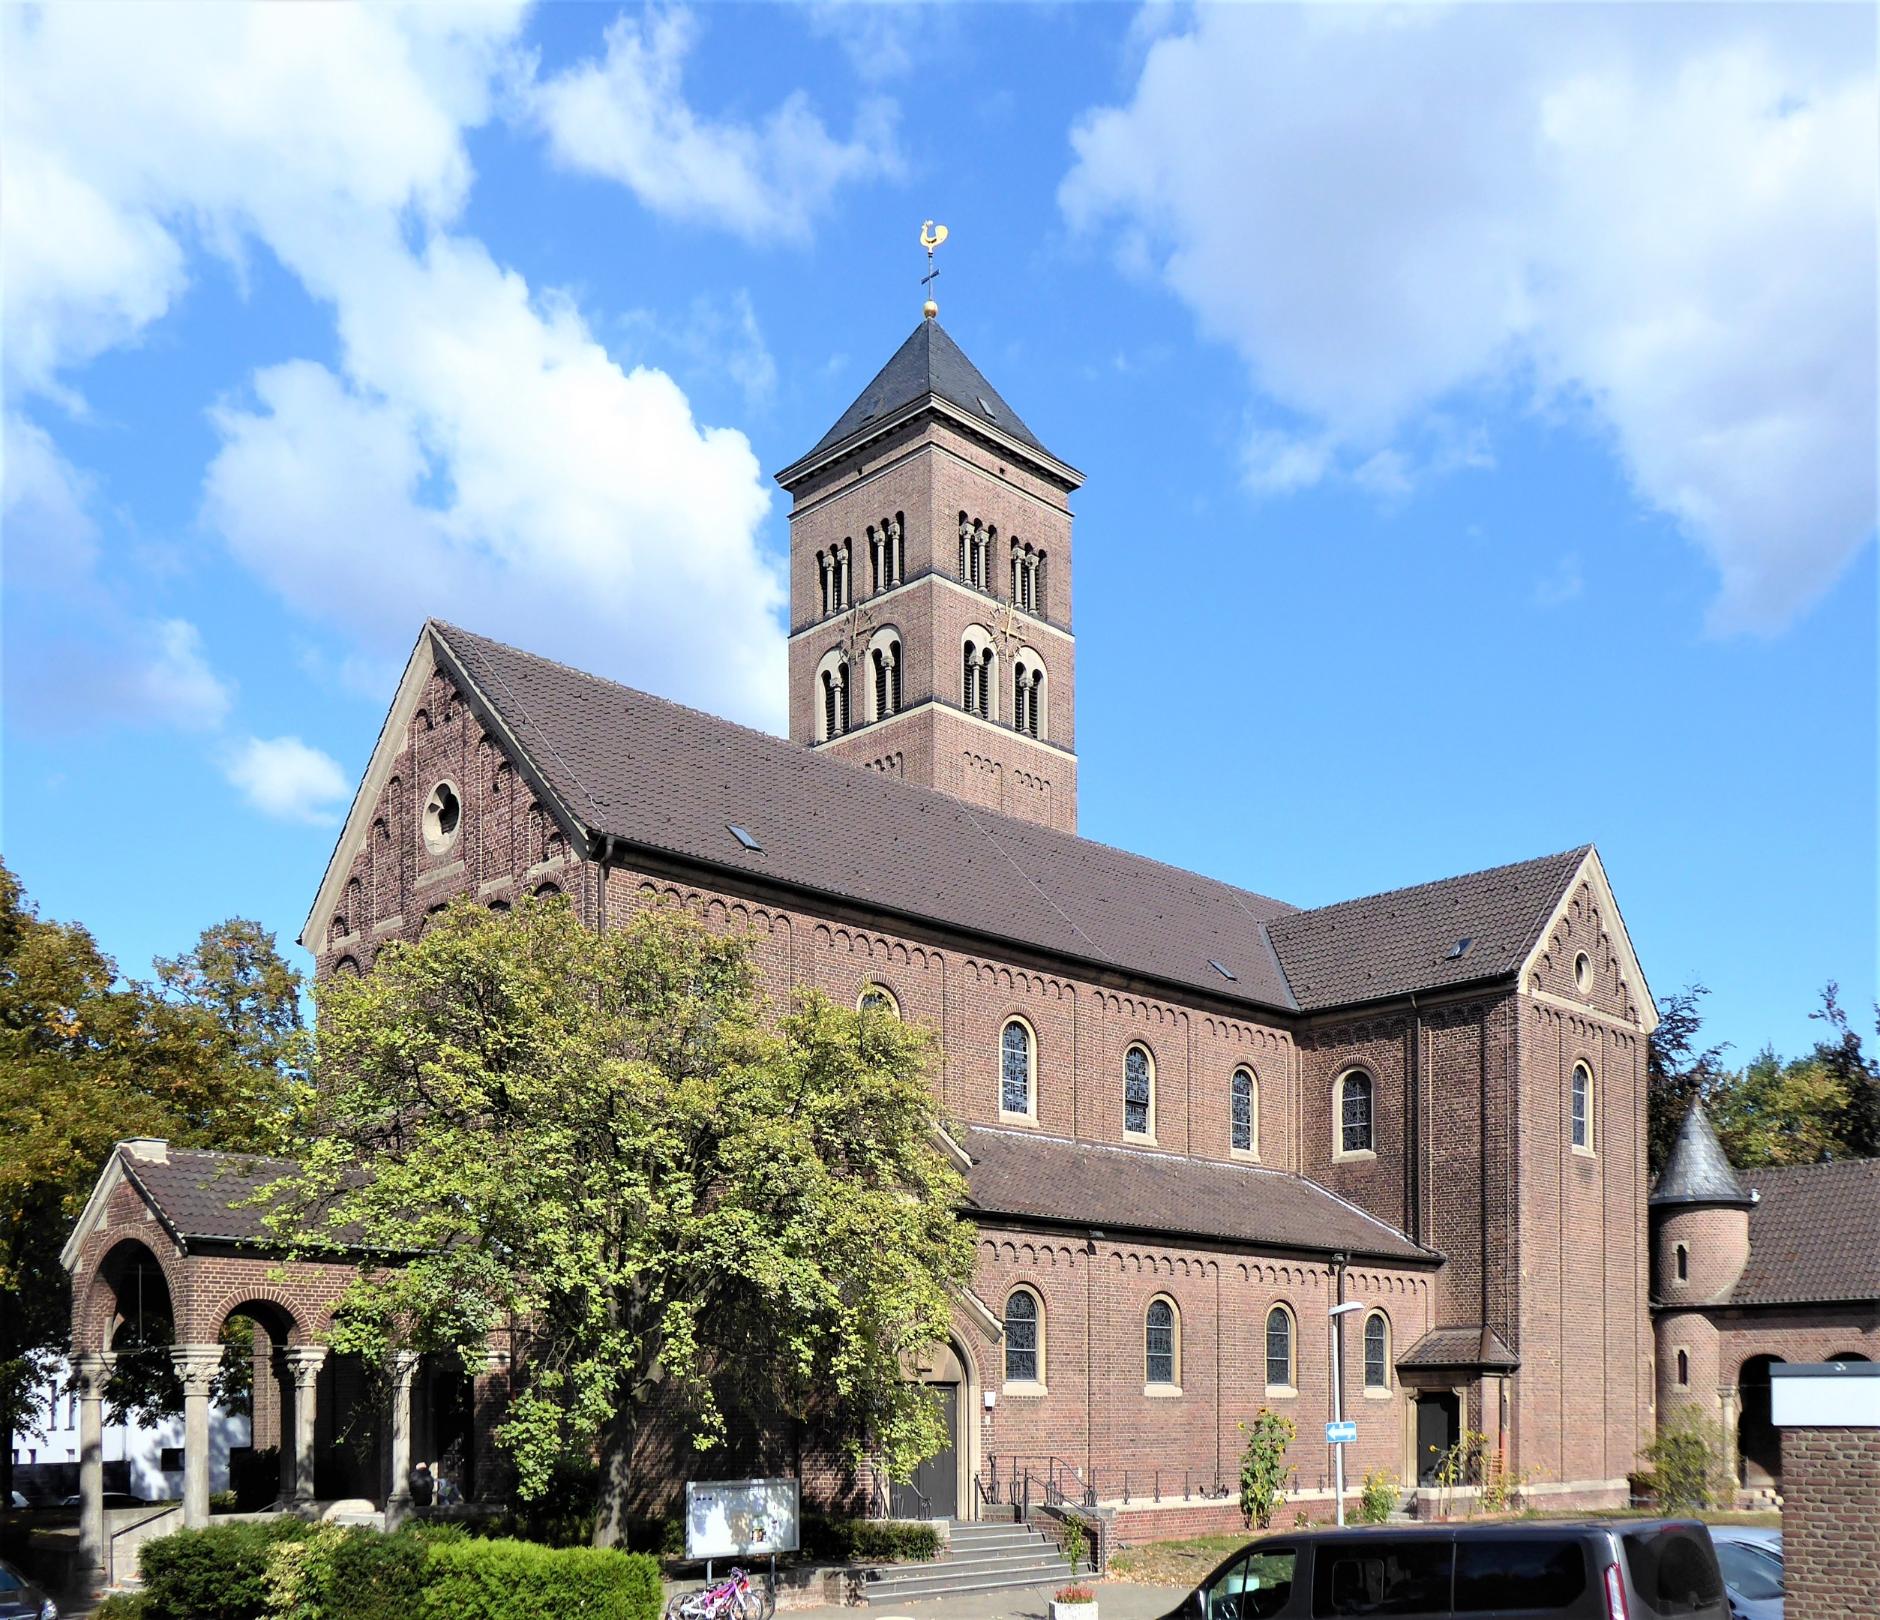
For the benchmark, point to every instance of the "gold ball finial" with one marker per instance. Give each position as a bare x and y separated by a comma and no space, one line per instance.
930,309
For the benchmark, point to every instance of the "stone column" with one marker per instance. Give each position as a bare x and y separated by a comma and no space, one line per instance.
404,1370
304,1362
1732,1457
196,1365
89,1373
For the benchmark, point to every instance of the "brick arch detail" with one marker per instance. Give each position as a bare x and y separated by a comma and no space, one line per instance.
207,1321
94,1303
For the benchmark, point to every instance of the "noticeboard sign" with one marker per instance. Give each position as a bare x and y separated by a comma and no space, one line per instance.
742,1518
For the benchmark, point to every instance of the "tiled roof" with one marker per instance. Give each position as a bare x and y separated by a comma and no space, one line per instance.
1814,1234
193,1190
672,779
1459,1347
928,363
666,778
1698,1171
1386,944
1024,1175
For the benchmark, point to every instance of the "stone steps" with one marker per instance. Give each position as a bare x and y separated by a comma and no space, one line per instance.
978,1558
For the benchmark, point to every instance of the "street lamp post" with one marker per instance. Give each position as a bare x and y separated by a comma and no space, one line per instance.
1338,1313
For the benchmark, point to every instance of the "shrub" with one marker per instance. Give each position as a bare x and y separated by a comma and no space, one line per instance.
1263,1466
1686,1461
341,1573
563,1515
513,1580
1378,1499
217,1573
870,1541
123,1606
1074,1594
1076,1539
223,1502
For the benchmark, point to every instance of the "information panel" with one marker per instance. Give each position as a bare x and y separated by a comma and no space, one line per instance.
741,1518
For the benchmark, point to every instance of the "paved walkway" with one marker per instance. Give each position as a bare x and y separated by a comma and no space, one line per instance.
1116,1600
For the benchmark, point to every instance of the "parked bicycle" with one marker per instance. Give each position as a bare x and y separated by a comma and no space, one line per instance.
737,1597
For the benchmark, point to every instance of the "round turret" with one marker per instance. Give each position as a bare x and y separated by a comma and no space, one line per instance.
1700,1218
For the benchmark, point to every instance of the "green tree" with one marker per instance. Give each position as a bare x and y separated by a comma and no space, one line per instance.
1842,1055
673,1200
86,1059
1679,1070
1776,1112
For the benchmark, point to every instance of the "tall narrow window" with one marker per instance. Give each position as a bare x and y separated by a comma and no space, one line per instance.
1018,595
1138,1092
965,532
876,572
1683,1258
1039,586
829,703
1033,724
1684,1366
1376,1351
1582,1106
983,685
822,574
894,677
1354,1113
1279,1348
1243,1111
1021,695
1161,1349
969,680
1023,1361
897,548
1015,1069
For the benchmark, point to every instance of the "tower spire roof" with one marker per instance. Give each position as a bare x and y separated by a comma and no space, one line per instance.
1698,1171
928,365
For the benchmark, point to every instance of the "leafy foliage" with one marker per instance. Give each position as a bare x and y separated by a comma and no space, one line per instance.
123,1606
339,1573
512,1580
1263,1471
870,1541
1824,1104
210,1055
1685,1461
603,1148
1378,1499
216,1573
1076,1541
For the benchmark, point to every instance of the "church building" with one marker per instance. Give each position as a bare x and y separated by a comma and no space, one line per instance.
1195,1118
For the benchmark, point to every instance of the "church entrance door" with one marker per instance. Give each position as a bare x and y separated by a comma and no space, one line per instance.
934,1491
1439,1427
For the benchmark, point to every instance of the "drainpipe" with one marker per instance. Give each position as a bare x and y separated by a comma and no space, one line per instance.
1414,1119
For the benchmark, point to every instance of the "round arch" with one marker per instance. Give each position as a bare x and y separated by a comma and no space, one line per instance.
122,1276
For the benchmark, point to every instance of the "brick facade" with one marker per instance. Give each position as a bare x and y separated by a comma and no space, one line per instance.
1831,1523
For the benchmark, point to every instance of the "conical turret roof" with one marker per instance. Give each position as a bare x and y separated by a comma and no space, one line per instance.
1698,1171
928,364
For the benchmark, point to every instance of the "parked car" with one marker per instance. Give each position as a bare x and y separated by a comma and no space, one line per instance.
112,1499
1751,1561
1650,1569
21,1600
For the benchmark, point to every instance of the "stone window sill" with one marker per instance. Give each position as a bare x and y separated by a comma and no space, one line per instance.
1373,1394
1281,1392
1342,1157
1245,1155
1162,1392
1017,1119
1024,1389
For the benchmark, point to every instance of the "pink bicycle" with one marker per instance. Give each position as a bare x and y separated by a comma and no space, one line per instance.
737,1597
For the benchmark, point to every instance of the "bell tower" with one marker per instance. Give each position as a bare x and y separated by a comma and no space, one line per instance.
930,589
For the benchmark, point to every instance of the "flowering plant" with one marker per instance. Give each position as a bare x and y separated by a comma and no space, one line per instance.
1075,1594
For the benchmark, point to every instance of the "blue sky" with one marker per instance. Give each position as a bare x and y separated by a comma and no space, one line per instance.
1478,406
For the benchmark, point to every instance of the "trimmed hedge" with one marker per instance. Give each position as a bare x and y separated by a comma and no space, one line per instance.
122,1606
871,1541
284,1569
218,1573
517,1580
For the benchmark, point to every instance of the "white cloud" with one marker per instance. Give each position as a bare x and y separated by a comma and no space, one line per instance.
624,117
286,778
1660,218
1567,583
176,682
473,451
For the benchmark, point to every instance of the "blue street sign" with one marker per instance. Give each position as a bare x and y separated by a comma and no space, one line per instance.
1341,1434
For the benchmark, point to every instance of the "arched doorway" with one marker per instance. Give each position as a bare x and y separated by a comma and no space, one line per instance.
256,1385
942,1486
1758,1441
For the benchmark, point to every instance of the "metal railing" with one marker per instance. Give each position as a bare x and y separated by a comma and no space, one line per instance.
1021,1480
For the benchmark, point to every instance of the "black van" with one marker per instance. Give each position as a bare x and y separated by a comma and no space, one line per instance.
1636,1569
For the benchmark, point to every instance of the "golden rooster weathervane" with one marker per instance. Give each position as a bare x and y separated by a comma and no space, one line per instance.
931,236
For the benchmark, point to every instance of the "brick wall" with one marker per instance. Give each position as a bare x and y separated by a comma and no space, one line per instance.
1831,1523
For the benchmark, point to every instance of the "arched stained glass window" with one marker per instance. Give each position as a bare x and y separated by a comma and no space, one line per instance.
1022,1361
1354,1113
1376,1351
1159,1342
1279,1347
1138,1092
1015,1068
1243,1111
